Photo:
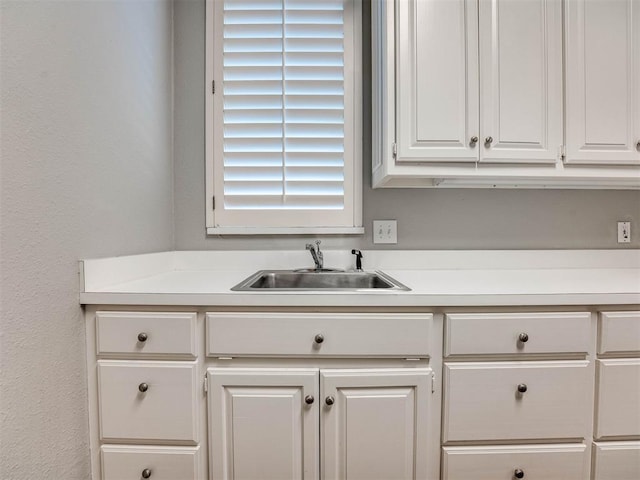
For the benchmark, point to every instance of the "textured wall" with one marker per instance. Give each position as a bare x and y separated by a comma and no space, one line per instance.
85,171
427,219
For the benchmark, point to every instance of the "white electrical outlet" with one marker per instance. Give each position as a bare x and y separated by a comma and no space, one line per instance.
624,232
385,231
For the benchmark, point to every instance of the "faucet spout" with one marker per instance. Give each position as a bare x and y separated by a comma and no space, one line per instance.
316,254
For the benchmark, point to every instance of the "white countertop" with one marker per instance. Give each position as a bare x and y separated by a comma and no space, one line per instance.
436,278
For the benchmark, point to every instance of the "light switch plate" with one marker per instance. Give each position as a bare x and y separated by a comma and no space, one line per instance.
385,231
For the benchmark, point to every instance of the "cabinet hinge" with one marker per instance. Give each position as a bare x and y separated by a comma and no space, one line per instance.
213,86
394,150
561,152
433,382
205,385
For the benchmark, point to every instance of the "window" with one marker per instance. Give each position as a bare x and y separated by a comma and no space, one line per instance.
284,114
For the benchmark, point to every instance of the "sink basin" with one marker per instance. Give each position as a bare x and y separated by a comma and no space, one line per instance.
293,280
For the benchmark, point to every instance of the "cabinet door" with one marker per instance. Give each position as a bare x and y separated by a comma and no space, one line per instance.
260,424
376,425
618,398
603,81
520,80
437,80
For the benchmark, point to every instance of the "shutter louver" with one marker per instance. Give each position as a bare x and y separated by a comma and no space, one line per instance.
283,105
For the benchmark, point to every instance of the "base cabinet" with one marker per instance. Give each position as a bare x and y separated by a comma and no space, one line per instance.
267,423
616,460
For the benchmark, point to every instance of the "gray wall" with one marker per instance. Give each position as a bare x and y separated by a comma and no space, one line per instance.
86,171
427,219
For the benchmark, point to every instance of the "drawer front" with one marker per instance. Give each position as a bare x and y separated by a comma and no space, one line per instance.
136,334
166,411
535,462
619,332
616,461
483,402
339,334
618,393
163,463
503,333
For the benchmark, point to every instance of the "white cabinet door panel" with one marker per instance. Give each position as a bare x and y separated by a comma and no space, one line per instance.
536,462
603,81
618,402
616,461
520,80
165,411
483,402
377,426
162,463
437,80
619,333
260,425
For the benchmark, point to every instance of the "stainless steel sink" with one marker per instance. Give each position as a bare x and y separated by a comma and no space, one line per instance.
310,280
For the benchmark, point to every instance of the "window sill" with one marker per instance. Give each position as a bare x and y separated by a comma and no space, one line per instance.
285,230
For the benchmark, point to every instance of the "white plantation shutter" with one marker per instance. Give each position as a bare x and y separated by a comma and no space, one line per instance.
284,113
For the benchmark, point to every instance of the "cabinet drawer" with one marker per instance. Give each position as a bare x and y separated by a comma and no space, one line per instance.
618,398
166,411
136,334
339,334
503,333
483,401
537,462
616,461
163,463
619,332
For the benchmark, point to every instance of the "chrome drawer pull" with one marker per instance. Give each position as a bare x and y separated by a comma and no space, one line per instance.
329,400
518,473
146,473
522,388
143,387
319,338
142,337
523,337
309,399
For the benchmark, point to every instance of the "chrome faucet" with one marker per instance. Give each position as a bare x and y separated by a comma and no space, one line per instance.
316,254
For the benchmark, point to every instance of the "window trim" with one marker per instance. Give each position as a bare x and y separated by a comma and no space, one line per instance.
213,137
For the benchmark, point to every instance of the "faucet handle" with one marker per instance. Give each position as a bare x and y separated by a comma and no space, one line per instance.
318,242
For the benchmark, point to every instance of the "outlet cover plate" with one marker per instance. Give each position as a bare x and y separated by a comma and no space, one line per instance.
624,232
385,231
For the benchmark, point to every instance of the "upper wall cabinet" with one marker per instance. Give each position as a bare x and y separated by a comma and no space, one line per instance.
470,93
603,81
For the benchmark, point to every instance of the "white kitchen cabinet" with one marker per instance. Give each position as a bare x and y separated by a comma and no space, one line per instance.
471,93
505,108
263,423
603,81
156,463
375,424
616,461
267,423
618,412
515,400
531,462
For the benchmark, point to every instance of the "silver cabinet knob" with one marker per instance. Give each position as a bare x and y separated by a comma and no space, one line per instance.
522,388
319,338
329,400
523,337
309,399
518,473
142,337
146,473
473,140
488,141
143,387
